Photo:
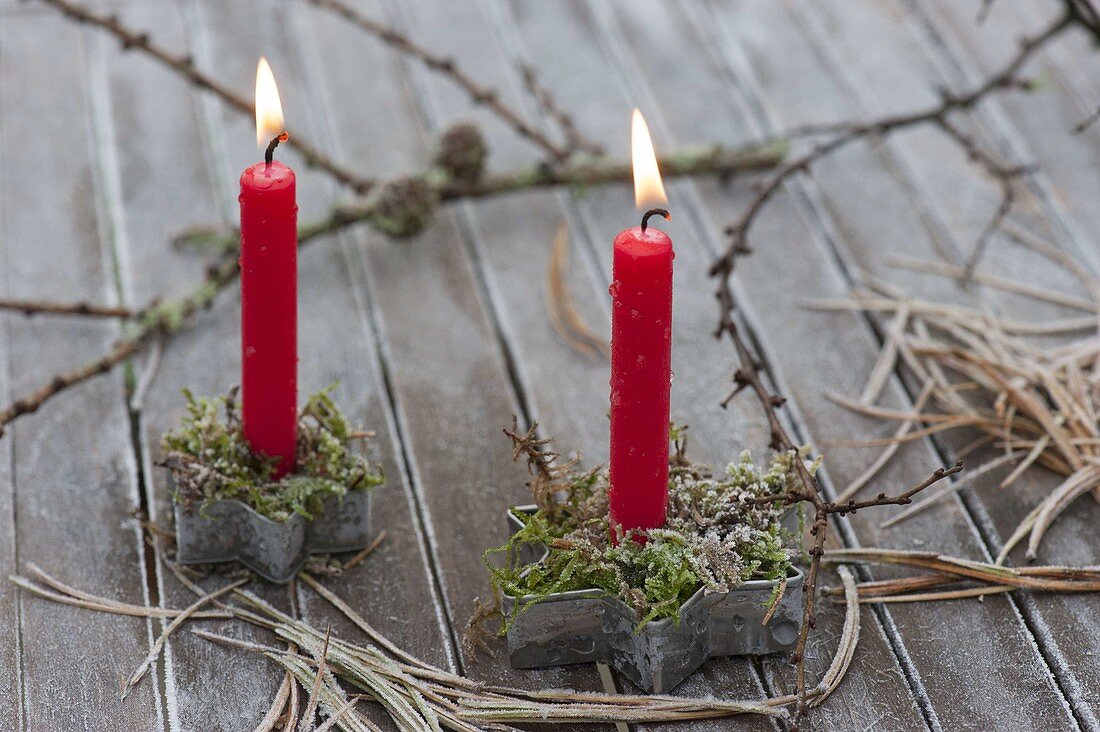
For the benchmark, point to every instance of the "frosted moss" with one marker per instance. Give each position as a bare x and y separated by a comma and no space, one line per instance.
211,461
721,531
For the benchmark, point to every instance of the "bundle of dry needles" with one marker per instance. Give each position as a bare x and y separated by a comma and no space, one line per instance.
1036,403
951,578
414,694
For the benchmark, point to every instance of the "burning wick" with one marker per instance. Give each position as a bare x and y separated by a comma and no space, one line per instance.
662,212
284,136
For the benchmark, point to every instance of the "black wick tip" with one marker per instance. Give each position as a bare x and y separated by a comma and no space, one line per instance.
662,212
270,152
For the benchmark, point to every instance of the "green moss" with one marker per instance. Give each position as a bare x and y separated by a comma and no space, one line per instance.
211,461
718,534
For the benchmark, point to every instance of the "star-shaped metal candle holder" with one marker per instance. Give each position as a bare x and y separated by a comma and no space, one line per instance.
225,531
586,626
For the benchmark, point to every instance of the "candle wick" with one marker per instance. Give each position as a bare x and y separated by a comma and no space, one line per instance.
662,212
270,152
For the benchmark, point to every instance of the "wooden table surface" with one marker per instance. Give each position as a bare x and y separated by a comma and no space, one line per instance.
436,342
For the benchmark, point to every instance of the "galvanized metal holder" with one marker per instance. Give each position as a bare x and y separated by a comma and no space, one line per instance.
227,531
586,626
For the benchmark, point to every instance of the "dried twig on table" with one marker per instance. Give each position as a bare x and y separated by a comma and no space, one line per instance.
549,475
418,696
1034,401
564,317
314,694
573,138
275,711
841,135
952,578
748,377
184,65
84,309
366,552
168,317
184,615
482,95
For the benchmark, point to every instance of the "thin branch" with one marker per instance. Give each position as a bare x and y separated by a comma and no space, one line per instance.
168,317
184,65
545,99
489,98
748,376
844,134
51,307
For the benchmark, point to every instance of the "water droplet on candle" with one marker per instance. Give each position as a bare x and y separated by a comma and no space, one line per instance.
640,361
250,351
668,333
674,254
613,288
634,313
671,376
632,451
616,398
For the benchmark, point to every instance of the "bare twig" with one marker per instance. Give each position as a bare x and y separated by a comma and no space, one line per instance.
148,375
482,95
843,134
306,722
573,138
168,317
187,613
184,65
84,309
748,377
367,551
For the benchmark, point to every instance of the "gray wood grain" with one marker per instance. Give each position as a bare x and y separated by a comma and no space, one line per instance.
852,177
75,475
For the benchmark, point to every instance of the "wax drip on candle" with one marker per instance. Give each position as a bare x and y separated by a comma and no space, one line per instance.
662,212
283,136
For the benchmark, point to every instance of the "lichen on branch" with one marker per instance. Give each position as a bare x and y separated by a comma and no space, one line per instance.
210,460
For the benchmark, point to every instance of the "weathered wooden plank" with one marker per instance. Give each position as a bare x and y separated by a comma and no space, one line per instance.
847,180
701,364
11,698
76,479
1053,619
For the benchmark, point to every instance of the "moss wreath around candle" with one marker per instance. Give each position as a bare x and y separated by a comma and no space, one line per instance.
229,506
721,531
210,460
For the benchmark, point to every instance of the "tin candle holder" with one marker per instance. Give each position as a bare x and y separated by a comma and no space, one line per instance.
586,626
227,531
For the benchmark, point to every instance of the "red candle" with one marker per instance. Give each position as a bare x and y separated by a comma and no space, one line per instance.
641,354
269,290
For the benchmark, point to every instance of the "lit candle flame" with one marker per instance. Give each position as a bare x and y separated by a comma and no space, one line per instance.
269,110
648,188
